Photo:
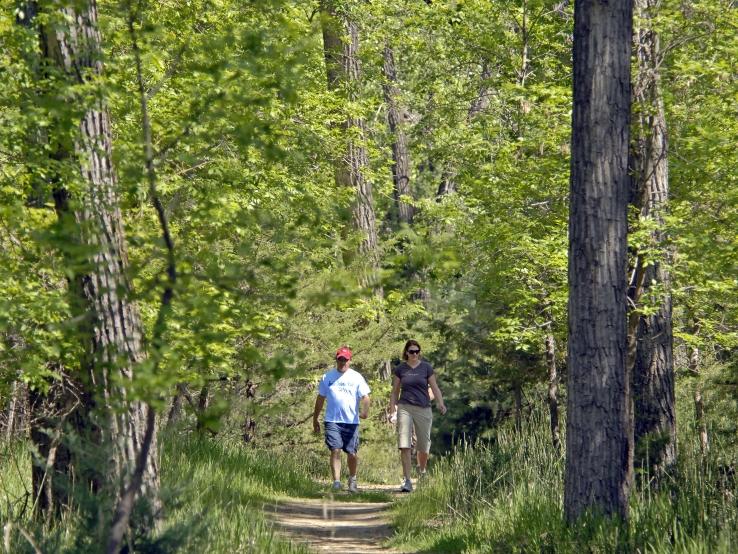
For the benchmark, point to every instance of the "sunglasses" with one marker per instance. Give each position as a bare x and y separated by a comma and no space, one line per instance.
413,351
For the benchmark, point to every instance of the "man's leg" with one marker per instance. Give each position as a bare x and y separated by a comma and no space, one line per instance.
353,463
336,464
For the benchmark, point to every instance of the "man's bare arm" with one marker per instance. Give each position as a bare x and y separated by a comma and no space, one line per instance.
319,400
364,405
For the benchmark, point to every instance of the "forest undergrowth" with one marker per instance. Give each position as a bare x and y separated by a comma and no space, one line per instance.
215,490
506,495
214,493
500,495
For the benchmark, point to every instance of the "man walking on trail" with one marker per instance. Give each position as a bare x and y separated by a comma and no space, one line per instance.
348,400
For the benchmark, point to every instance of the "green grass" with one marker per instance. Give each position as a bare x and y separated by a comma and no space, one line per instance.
507,497
501,496
218,493
15,480
213,493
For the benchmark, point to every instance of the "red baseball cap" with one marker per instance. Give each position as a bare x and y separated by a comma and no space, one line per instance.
343,352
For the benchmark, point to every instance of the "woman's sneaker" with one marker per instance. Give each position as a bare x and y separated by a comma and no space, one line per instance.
352,485
336,485
407,486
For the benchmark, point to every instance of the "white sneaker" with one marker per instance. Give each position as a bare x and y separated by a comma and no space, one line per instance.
336,485
352,485
407,486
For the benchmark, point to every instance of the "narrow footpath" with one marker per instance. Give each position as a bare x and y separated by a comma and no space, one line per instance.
333,525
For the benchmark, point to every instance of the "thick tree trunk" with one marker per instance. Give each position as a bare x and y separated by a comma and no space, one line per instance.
341,48
598,463
654,403
651,336
553,386
111,329
400,154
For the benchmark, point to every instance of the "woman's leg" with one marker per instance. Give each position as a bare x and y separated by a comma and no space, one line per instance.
423,421
404,438
422,461
406,462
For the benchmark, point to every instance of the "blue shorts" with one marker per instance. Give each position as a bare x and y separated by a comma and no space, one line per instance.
344,436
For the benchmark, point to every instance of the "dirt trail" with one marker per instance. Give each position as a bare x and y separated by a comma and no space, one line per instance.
333,524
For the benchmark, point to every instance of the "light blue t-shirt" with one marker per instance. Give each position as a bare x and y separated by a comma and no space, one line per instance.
342,392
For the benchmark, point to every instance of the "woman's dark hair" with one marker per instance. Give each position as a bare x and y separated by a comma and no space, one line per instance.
408,344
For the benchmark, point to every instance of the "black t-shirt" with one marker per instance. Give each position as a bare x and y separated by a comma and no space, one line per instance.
414,381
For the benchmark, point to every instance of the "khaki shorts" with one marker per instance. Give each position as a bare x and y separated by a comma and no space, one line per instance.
409,416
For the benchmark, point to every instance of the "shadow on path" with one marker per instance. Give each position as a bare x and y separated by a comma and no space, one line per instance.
332,524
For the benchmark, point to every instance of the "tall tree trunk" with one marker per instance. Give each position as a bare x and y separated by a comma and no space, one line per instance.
341,49
651,337
110,327
553,385
598,463
400,154
52,469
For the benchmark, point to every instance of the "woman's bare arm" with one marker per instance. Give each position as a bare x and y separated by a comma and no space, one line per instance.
437,393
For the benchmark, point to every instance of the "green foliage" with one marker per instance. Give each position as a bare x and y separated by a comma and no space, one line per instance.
506,496
245,137
218,491
214,494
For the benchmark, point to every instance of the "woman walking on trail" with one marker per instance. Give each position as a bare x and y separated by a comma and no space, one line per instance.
410,406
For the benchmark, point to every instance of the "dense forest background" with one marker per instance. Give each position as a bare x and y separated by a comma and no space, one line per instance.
202,200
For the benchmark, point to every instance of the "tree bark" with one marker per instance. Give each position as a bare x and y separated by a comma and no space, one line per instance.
110,327
341,49
400,154
598,463
553,385
651,336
